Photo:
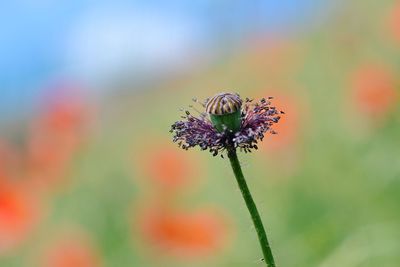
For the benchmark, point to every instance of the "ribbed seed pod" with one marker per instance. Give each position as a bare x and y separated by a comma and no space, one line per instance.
224,103
225,111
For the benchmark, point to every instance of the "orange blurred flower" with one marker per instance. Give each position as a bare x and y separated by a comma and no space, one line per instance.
183,234
64,117
394,21
71,251
9,160
19,213
54,138
374,89
167,166
272,57
48,157
289,125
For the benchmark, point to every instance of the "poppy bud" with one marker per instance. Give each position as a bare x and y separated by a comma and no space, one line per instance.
225,111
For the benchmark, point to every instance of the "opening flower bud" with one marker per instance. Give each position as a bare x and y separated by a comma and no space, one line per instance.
225,111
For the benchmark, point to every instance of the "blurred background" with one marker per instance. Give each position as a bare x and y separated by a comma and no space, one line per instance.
89,176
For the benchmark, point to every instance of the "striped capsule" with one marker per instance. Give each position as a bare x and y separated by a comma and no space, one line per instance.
223,103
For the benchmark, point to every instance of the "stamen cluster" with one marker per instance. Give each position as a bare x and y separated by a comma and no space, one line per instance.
257,118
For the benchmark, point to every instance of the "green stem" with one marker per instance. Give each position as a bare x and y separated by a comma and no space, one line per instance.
251,206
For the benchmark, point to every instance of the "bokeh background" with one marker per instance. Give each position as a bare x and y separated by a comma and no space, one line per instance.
89,176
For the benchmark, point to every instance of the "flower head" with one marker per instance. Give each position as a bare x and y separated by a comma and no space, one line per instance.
184,234
374,89
20,212
394,21
70,250
166,168
227,123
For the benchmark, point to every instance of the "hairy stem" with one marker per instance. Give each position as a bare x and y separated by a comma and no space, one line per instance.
251,206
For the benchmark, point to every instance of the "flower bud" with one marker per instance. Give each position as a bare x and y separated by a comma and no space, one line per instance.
225,111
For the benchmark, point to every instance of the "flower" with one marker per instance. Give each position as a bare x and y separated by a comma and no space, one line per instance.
374,89
183,234
226,124
166,167
19,215
55,135
9,160
289,125
73,250
394,21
